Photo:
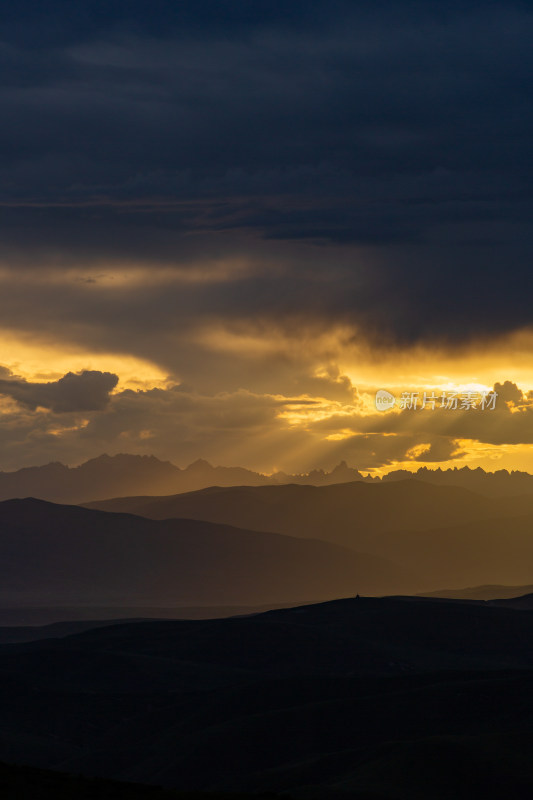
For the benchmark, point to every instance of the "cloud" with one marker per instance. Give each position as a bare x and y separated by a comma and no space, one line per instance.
261,200
260,431
510,423
509,392
85,391
390,141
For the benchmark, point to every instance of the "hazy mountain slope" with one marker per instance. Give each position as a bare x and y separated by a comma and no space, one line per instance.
446,535
123,474
349,513
500,483
490,551
61,555
486,592
114,476
108,476
339,697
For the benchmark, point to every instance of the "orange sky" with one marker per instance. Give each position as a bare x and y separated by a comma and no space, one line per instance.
328,416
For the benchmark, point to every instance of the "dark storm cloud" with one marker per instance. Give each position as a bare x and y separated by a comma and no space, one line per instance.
165,131
86,391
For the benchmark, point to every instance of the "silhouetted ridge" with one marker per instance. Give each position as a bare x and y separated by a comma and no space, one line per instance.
391,698
67,555
108,476
445,535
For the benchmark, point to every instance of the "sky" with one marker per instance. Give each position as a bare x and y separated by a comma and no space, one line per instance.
225,224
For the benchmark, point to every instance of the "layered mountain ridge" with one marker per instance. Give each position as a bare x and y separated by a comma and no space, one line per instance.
105,477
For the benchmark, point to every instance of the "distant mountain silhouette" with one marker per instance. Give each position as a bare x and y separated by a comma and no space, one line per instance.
106,477
112,476
507,599
362,698
494,592
66,555
446,535
500,483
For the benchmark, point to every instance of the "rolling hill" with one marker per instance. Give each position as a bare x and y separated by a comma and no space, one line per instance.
29,783
445,535
66,555
343,513
392,698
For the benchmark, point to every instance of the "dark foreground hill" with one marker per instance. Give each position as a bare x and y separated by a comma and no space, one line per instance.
445,535
66,555
29,783
29,622
385,698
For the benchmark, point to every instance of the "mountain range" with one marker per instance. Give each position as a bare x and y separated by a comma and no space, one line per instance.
106,477
258,546
361,698
109,476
